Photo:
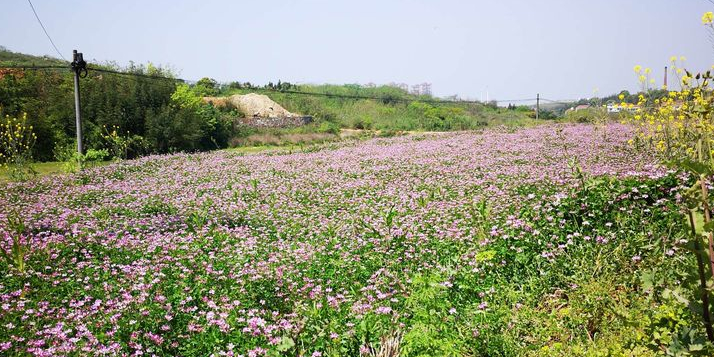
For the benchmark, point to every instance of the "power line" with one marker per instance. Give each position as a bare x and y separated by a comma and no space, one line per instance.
32,67
387,98
102,70
514,100
562,101
315,94
149,76
345,96
45,30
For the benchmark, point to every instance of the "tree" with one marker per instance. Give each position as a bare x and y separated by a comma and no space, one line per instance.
206,87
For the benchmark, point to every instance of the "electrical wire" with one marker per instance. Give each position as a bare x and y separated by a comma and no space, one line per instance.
32,67
149,76
386,98
348,96
562,101
45,30
315,94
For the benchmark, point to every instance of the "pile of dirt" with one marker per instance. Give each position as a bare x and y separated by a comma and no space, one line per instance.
253,105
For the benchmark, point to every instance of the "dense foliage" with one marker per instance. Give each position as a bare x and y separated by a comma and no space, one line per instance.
445,245
678,128
143,109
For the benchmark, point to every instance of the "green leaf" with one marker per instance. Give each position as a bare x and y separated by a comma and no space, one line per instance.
677,296
647,280
699,225
286,343
696,167
485,255
696,347
708,227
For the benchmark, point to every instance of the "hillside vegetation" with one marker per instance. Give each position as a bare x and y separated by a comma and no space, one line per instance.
395,109
9,58
132,114
154,115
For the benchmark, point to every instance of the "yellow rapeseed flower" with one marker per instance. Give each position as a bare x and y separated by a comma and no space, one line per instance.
638,69
708,18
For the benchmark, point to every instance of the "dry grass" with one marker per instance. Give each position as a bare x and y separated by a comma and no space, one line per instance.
388,346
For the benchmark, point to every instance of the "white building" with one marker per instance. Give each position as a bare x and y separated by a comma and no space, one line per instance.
618,107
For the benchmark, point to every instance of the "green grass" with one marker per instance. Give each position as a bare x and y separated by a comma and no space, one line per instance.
42,169
251,149
58,167
261,148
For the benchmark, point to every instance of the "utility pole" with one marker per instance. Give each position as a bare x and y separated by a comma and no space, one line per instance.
537,105
665,77
78,66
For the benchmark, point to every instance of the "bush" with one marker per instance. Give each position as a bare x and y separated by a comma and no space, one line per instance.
679,128
216,127
364,123
206,87
174,129
124,146
188,124
591,115
92,158
328,127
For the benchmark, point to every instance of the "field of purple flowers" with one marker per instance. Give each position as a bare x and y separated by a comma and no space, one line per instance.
554,240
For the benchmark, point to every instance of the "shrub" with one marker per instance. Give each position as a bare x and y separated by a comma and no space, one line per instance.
75,161
590,115
14,243
206,87
173,129
328,127
124,146
680,129
364,123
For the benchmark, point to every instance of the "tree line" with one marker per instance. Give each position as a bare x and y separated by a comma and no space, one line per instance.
149,115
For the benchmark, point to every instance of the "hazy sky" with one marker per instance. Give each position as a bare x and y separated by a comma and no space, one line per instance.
562,49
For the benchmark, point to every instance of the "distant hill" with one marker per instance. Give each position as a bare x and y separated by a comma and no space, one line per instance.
9,58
